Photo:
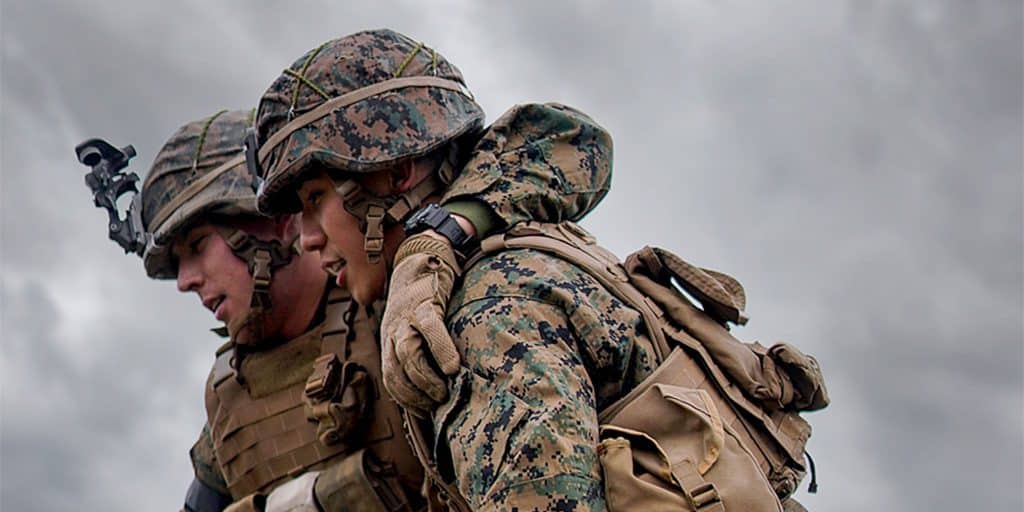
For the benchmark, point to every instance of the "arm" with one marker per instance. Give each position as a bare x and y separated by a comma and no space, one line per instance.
537,162
521,427
208,492
543,348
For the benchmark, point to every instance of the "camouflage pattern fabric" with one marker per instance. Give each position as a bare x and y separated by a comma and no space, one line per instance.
204,462
370,135
544,162
189,156
544,347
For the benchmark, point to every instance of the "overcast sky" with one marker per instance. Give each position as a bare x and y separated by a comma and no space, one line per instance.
857,165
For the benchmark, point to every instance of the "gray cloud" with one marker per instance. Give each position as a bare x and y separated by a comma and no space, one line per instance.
857,164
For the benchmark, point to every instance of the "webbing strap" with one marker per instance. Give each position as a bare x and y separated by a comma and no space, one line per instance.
375,213
190,191
334,337
282,466
414,197
571,243
702,495
253,411
417,437
269,438
349,98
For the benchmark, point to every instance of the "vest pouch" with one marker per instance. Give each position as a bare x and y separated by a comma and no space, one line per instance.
359,483
667,448
337,397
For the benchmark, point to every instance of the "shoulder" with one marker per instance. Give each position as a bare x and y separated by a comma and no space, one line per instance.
204,462
544,144
221,368
535,276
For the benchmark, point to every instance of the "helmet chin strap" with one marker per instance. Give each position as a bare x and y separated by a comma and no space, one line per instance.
376,213
263,259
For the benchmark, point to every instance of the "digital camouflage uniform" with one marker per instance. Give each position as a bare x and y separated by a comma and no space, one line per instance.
538,161
544,346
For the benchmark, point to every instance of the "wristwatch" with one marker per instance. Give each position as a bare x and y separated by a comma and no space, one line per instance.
440,220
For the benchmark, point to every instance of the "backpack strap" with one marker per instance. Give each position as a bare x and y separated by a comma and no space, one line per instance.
440,494
572,243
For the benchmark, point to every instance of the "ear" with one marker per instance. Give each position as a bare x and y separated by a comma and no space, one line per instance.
286,226
403,177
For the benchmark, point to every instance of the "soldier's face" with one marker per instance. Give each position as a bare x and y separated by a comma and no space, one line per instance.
328,229
207,267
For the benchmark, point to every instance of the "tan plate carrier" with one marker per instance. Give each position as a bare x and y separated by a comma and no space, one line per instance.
333,411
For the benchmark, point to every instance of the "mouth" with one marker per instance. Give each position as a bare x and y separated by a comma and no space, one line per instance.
333,267
336,268
214,303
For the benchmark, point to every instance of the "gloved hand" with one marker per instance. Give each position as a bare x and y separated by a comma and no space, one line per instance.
417,352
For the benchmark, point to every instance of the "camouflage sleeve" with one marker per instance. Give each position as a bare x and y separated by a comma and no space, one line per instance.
204,462
544,347
544,162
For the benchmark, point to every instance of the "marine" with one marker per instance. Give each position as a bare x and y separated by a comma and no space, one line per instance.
296,412
560,348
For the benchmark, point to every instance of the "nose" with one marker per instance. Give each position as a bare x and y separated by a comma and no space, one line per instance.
311,237
189,276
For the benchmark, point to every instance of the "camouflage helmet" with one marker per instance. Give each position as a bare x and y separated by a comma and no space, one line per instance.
361,103
199,171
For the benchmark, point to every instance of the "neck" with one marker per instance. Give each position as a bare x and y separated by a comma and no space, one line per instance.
305,285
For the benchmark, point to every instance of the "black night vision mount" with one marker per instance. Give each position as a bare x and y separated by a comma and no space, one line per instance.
108,183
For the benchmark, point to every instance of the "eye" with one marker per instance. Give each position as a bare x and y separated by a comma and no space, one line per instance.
195,246
313,197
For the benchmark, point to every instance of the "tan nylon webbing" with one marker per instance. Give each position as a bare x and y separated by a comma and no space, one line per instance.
334,336
270,428
254,411
281,466
353,97
270,448
193,189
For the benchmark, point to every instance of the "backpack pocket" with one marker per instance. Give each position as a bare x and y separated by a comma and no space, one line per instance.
668,449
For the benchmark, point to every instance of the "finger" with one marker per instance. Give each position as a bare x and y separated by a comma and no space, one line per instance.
397,383
418,367
430,323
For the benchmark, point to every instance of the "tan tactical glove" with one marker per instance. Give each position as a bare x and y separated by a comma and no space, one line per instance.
417,351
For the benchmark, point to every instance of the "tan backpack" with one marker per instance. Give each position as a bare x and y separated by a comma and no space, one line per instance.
716,426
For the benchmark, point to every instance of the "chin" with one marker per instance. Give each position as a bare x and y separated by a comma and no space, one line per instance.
366,293
361,296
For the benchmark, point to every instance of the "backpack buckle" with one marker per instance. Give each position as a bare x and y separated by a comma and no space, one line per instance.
705,498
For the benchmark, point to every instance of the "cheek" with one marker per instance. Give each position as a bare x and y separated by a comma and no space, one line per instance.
368,282
342,231
232,274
